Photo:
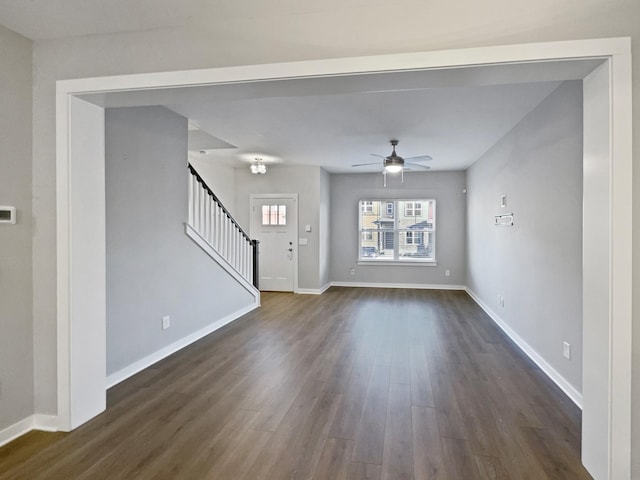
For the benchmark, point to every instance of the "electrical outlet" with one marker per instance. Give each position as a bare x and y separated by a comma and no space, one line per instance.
352,271
566,350
447,273
501,301
166,322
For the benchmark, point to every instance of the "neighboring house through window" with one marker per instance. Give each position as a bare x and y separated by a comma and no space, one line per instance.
397,230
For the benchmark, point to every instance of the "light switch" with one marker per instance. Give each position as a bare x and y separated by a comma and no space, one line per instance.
307,228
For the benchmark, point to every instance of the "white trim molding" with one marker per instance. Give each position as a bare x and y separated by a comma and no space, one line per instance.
80,214
136,367
313,291
552,373
47,423
419,286
16,430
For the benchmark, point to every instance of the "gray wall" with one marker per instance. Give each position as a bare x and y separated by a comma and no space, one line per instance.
445,187
305,181
153,268
220,178
16,319
536,265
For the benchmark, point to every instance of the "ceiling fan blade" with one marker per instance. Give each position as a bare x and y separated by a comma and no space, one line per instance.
364,164
420,158
379,156
421,167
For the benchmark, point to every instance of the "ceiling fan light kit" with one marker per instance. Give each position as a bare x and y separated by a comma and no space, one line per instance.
393,165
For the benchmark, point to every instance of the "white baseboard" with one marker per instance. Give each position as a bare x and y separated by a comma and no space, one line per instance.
16,430
313,291
551,372
48,423
421,286
155,357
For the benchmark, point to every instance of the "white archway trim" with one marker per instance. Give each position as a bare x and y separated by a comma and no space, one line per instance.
80,214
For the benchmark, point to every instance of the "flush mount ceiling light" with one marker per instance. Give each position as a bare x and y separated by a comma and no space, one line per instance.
258,167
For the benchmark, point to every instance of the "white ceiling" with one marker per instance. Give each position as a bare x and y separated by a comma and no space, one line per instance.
453,125
453,115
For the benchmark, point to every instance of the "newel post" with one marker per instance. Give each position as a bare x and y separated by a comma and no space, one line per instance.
255,244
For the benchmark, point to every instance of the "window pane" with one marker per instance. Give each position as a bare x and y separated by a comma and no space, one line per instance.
282,215
273,214
397,229
418,244
367,206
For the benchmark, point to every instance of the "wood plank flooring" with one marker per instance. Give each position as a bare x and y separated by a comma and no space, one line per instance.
353,384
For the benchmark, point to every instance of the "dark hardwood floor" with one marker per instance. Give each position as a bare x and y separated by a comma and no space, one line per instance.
354,384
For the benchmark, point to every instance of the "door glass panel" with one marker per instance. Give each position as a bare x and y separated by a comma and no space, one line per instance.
274,215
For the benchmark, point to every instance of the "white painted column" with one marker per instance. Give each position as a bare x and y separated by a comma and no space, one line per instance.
82,308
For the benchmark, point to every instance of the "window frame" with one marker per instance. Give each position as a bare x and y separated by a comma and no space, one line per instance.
399,233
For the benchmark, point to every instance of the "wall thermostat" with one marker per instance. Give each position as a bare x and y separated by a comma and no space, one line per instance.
7,214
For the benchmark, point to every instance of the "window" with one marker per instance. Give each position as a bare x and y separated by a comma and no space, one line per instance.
390,209
397,230
274,215
413,209
414,238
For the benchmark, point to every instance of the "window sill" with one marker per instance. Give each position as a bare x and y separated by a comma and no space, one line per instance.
403,263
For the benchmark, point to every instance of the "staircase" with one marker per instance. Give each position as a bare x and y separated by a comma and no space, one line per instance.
213,228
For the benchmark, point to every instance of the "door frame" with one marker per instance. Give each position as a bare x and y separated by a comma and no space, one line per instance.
294,225
81,312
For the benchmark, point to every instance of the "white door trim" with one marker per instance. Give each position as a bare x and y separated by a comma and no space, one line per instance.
296,248
73,253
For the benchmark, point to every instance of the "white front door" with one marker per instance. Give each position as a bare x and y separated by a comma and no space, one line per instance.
274,220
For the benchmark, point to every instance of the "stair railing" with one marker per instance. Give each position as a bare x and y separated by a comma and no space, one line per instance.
213,222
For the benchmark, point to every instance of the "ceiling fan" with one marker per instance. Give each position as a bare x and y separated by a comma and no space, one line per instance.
394,163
